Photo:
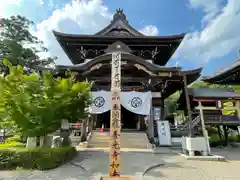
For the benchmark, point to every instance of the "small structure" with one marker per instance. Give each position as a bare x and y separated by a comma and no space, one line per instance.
208,104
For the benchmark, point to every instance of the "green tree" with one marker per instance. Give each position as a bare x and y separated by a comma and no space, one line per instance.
35,106
19,46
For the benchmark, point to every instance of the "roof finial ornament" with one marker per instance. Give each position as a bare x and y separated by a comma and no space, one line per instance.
119,11
119,15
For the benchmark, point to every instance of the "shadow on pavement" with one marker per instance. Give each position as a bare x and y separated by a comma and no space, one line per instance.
132,163
231,154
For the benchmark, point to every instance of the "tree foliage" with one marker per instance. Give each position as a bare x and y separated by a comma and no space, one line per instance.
35,105
171,103
18,45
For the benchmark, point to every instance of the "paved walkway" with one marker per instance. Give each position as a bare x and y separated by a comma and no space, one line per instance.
89,165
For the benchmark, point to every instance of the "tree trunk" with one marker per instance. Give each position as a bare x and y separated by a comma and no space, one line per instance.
219,133
83,130
90,124
47,141
38,141
225,130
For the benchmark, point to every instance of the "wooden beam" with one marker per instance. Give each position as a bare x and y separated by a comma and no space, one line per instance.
123,88
133,79
107,44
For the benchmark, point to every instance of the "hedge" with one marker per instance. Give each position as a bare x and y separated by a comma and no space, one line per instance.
38,158
216,142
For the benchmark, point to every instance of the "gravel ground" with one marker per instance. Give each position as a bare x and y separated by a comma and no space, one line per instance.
90,165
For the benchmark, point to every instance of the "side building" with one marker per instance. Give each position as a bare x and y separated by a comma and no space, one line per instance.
227,76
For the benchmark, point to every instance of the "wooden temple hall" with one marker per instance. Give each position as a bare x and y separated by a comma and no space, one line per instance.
145,79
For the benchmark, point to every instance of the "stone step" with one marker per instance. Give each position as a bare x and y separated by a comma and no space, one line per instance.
127,140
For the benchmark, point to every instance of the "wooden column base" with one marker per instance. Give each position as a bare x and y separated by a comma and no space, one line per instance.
117,178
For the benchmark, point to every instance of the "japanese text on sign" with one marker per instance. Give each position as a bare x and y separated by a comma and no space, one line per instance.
114,165
116,70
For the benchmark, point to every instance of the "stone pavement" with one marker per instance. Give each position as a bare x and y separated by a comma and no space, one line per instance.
89,165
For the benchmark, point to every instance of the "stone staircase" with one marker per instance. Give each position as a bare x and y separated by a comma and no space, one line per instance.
136,140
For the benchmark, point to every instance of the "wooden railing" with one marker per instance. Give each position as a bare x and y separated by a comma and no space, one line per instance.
221,119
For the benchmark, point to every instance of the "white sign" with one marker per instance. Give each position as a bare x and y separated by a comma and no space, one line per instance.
164,133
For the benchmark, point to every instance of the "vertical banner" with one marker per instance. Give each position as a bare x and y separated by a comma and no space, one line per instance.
115,126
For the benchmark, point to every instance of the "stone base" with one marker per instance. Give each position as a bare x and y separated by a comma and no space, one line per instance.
204,158
83,144
117,178
32,142
191,145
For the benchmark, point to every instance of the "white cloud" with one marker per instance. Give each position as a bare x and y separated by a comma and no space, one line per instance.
210,7
77,17
150,30
5,4
41,2
220,36
26,8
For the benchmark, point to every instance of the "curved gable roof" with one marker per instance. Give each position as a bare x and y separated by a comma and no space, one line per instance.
119,25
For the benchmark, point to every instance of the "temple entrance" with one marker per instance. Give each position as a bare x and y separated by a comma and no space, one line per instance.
129,119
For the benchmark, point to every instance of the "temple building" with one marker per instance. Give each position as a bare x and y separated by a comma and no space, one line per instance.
145,80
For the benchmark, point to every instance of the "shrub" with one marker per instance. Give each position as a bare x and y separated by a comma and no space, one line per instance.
234,138
214,141
13,141
238,138
212,131
38,158
15,138
12,144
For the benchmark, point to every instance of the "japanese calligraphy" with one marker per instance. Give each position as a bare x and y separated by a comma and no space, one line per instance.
116,123
116,107
116,70
115,145
115,134
114,165
114,155
116,114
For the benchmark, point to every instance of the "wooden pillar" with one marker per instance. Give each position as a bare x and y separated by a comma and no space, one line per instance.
238,108
205,133
138,124
188,106
151,123
162,115
115,122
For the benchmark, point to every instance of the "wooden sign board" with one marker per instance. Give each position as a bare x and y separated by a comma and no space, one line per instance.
115,125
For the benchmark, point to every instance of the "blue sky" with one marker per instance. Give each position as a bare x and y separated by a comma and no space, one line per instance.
213,25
